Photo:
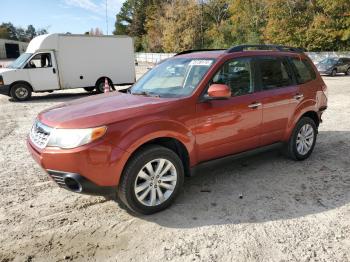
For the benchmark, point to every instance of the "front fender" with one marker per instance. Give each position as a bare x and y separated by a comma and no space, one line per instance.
130,140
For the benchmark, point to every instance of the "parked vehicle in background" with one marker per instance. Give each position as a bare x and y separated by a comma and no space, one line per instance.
193,108
61,61
333,66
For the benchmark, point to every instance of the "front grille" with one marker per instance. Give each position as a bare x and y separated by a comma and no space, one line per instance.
58,177
40,134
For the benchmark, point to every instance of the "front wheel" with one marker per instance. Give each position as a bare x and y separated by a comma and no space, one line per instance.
151,180
334,72
303,139
21,92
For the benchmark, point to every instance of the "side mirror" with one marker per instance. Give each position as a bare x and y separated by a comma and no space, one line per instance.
218,91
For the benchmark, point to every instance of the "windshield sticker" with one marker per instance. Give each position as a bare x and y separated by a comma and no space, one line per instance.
200,63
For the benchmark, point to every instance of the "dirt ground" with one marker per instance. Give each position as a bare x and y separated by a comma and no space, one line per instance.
290,211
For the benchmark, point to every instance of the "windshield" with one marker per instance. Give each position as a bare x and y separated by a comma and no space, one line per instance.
328,61
177,77
18,63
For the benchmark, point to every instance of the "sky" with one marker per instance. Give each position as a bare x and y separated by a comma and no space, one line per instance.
61,16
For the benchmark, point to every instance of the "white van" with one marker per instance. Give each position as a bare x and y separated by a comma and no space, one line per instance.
61,61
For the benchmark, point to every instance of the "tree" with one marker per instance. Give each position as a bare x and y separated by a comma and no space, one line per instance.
30,32
180,25
152,40
97,31
124,18
9,31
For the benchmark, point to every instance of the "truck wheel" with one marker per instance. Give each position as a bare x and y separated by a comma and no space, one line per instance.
303,139
347,71
89,89
21,92
334,72
151,180
100,85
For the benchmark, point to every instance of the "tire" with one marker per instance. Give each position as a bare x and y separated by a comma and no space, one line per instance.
100,84
305,149
89,89
334,72
347,72
136,176
21,92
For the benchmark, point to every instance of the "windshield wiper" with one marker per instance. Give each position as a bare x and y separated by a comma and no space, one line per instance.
144,93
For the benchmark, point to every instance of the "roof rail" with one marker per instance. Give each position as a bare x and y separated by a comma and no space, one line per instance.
281,48
197,50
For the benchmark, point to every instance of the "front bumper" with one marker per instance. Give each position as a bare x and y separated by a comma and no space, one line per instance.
79,184
5,90
96,167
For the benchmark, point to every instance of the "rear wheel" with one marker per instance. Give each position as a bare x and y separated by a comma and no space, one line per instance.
100,85
21,92
303,139
347,71
334,72
151,180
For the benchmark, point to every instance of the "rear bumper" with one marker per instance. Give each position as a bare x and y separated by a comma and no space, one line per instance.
4,90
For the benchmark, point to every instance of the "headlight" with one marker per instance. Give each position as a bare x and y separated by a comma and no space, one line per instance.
71,138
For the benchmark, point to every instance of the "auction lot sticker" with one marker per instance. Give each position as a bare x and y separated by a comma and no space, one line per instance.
203,62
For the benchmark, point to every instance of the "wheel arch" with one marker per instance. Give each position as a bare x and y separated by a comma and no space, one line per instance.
171,143
21,82
102,78
311,113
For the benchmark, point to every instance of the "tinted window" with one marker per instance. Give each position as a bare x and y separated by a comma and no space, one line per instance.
237,75
274,73
304,71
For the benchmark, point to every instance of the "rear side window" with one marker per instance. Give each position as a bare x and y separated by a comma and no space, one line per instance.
274,73
303,69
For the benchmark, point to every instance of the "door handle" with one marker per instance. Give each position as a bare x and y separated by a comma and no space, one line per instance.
254,105
54,70
298,96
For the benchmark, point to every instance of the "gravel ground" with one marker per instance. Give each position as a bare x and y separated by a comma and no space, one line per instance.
289,211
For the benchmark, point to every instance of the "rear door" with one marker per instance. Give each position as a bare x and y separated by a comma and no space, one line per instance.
280,96
232,125
42,72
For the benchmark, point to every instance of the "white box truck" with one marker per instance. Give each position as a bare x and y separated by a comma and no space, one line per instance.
62,61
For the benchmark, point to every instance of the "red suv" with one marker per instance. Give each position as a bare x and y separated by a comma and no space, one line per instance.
190,109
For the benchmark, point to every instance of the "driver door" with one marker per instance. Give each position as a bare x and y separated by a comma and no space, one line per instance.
42,72
232,125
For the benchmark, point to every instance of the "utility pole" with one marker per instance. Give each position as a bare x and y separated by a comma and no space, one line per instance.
107,16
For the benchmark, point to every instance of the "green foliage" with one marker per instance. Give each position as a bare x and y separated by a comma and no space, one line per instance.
9,31
175,25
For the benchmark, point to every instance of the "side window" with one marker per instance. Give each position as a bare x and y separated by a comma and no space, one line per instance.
40,61
237,74
274,73
304,71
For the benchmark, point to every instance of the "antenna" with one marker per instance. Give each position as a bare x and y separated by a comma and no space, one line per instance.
107,16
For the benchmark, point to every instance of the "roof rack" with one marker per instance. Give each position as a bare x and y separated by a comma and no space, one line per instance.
197,50
280,48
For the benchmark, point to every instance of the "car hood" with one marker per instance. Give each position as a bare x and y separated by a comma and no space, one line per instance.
102,109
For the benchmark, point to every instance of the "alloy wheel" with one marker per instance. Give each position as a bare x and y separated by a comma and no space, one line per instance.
155,182
305,139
